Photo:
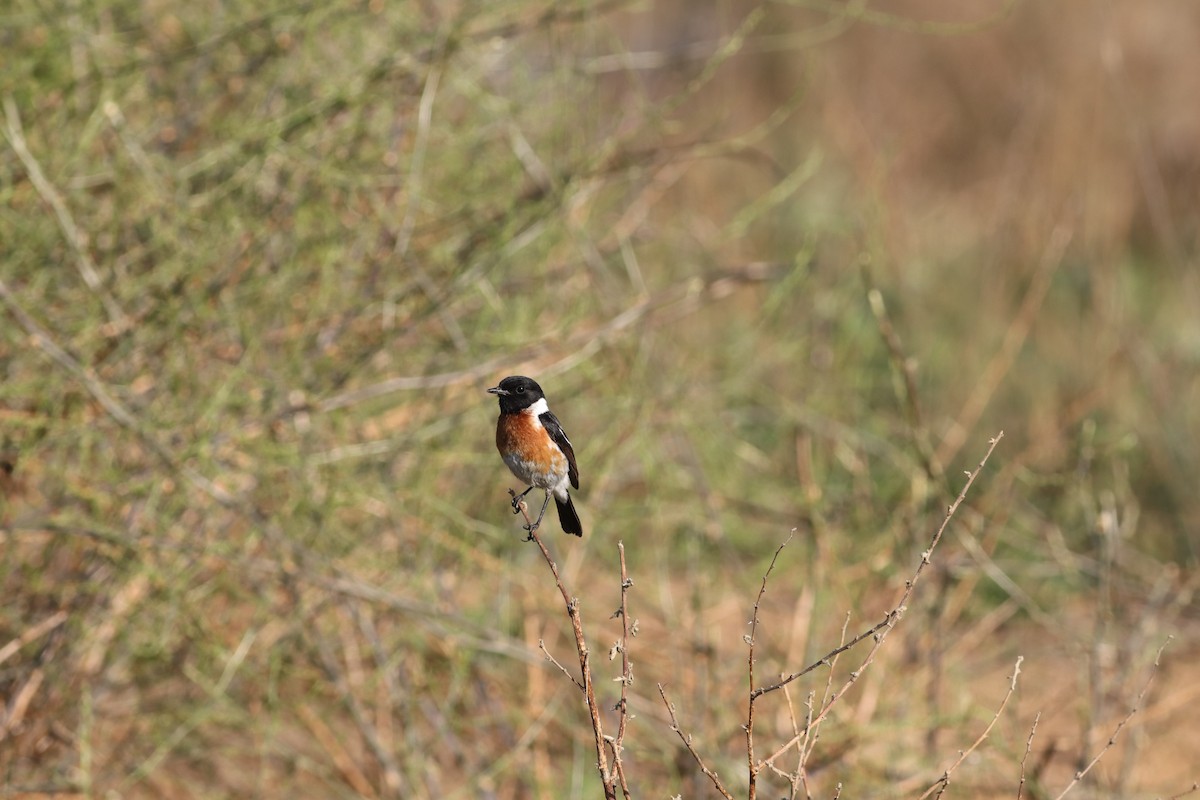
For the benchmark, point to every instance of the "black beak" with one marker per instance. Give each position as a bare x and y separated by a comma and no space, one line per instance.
497,390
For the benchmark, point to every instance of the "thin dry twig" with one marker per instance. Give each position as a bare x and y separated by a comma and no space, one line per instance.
1028,748
880,630
561,668
796,779
941,783
812,732
626,678
750,640
687,742
1137,705
1195,787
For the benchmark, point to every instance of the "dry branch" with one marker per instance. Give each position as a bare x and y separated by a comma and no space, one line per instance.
880,630
626,678
940,785
607,776
749,728
1112,739
687,742
1028,747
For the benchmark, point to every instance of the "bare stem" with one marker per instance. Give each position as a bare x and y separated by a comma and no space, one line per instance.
607,779
687,742
557,663
626,675
1028,748
1195,787
940,785
1137,705
751,768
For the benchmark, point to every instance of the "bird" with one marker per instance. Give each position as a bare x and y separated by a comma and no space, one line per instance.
533,444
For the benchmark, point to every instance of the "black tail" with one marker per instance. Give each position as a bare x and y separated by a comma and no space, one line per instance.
568,518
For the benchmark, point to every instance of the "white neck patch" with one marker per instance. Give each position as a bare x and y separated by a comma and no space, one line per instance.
538,408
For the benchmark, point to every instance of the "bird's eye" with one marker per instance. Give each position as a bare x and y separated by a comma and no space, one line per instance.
520,390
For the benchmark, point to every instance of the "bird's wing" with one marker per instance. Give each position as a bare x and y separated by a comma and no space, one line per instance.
554,428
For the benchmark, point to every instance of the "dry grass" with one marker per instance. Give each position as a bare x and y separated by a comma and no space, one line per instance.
780,266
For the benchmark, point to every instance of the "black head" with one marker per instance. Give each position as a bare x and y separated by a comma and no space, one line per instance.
517,393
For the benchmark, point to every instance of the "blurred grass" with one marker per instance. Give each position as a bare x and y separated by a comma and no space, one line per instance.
327,228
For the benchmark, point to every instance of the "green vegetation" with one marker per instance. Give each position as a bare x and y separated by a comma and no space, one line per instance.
778,267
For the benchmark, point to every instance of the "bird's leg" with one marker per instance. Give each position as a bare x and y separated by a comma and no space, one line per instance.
517,498
538,521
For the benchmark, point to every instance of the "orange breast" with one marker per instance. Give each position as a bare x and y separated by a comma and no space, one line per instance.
521,436
528,450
